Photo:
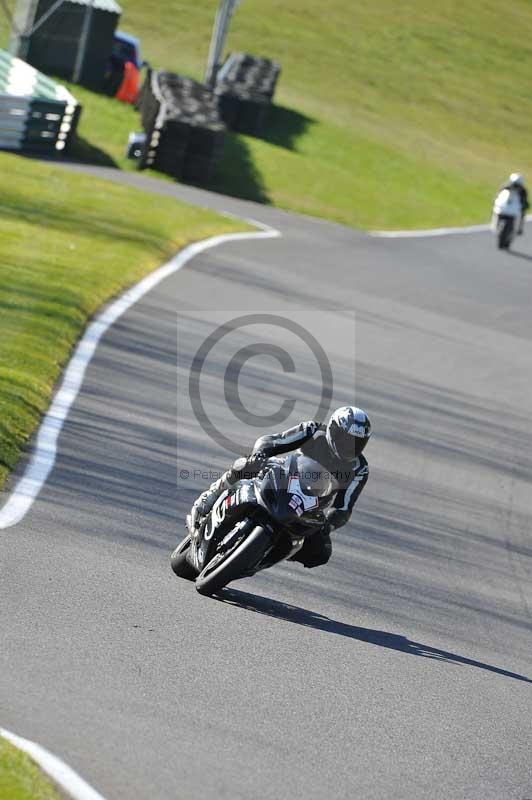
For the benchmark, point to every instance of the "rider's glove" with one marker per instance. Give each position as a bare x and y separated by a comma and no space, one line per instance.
256,462
249,466
257,459
245,467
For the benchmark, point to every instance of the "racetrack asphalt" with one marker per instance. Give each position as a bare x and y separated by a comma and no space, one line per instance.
401,669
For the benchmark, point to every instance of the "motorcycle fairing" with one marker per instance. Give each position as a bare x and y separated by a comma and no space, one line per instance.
233,505
276,500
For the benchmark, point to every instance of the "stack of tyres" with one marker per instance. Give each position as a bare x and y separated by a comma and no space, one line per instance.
204,152
170,145
184,132
246,75
143,97
245,86
229,105
252,116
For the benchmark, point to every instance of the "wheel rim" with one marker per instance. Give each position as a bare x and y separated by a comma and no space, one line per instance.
218,558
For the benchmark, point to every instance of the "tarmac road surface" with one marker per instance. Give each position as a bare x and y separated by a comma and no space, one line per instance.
403,668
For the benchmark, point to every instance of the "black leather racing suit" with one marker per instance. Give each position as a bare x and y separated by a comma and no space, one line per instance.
310,438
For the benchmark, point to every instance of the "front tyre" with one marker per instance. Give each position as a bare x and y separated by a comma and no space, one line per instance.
179,561
243,559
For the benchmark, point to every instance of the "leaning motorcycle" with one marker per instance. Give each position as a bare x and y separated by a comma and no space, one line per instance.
256,523
506,217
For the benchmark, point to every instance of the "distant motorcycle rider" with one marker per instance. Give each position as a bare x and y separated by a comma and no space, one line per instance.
337,446
516,183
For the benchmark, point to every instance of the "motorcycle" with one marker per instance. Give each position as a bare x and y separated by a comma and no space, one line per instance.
256,523
506,217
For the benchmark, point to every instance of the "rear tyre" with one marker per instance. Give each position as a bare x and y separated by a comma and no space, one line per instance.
245,557
179,561
504,233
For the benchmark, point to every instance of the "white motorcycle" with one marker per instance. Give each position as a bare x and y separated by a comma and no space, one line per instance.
506,218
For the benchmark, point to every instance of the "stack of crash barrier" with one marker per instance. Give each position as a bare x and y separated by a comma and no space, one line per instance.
36,114
245,86
184,132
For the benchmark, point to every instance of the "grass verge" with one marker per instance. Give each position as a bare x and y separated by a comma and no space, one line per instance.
21,778
330,171
389,114
67,244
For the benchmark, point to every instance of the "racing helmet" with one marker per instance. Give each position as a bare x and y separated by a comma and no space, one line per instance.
348,432
516,179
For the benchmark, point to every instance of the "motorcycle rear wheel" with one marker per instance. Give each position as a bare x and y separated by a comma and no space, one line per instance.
239,562
504,233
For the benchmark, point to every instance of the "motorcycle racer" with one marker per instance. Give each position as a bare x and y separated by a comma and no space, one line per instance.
516,183
337,446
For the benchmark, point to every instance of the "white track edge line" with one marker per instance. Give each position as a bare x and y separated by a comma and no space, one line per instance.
43,458
420,234
63,775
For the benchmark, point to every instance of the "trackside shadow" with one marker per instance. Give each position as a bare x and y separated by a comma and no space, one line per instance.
391,641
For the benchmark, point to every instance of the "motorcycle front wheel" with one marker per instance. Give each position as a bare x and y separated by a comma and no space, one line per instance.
221,569
179,561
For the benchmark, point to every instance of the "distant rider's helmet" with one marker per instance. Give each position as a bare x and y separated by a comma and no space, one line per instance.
516,179
348,432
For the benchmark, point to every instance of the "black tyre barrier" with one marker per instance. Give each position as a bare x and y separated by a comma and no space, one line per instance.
245,86
183,126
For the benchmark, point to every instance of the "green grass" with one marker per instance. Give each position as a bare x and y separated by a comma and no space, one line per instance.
105,124
391,114
21,778
67,244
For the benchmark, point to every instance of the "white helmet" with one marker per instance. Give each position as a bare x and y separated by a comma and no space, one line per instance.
348,432
516,179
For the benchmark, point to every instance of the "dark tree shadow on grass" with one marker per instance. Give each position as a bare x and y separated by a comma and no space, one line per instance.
237,174
390,641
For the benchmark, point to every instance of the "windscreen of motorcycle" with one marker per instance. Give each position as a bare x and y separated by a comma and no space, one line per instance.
293,477
311,478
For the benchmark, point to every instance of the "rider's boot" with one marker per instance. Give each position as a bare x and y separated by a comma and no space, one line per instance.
207,499
205,502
